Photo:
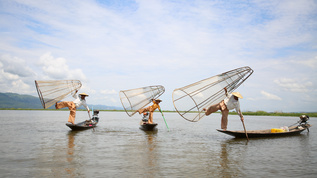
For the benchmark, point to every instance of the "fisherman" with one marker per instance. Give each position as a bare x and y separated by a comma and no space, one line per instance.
73,105
151,109
230,102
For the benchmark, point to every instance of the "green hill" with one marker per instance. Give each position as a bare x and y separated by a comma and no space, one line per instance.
13,100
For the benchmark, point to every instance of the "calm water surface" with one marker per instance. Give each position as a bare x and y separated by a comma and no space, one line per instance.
39,144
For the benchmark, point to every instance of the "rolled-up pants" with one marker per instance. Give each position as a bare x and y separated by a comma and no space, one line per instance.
224,111
72,108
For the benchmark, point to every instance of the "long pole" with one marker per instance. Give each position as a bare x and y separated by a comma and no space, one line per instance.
245,130
164,119
91,120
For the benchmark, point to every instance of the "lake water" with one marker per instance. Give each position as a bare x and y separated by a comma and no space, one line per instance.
39,144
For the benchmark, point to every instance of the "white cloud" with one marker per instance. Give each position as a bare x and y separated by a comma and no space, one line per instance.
15,66
312,63
20,85
57,68
109,92
15,75
294,85
8,76
270,96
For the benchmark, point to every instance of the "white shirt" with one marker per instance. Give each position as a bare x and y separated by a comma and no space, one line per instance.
78,102
232,103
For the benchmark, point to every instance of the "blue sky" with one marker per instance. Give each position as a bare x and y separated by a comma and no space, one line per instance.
118,45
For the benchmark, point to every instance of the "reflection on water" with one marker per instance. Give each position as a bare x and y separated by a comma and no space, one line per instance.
70,153
224,162
150,154
231,157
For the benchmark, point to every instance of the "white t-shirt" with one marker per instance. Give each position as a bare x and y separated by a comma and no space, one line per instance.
78,102
231,103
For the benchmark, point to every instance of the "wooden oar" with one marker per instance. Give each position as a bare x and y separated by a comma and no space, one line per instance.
93,128
164,120
245,130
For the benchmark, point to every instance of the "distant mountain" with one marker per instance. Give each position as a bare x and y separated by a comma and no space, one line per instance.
17,101
14,100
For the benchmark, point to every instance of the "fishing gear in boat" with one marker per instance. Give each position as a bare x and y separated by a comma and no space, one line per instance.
95,117
302,122
145,117
190,100
303,119
52,91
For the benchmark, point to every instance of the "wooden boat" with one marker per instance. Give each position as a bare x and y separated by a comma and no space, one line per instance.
87,124
147,127
294,130
82,125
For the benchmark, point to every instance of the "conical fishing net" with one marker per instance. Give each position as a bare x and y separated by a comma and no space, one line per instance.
52,91
138,98
190,100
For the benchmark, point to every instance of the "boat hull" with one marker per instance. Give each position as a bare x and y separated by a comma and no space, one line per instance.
265,133
81,126
148,127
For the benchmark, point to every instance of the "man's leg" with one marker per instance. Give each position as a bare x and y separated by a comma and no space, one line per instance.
140,111
62,104
151,118
72,114
212,109
224,119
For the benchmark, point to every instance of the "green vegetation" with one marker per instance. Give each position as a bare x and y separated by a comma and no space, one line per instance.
263,113
248,113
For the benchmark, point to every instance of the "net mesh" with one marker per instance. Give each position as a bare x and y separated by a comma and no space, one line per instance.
190,100
138,98
52,91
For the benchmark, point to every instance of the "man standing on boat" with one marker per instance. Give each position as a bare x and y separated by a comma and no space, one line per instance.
151,109
230,102
73,105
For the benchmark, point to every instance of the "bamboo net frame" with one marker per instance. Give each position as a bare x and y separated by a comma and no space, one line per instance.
52,91
138,98
190,100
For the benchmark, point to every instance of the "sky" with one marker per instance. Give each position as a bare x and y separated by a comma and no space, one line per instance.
118,45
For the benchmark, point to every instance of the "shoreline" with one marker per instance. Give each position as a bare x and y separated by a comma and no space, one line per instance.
247,113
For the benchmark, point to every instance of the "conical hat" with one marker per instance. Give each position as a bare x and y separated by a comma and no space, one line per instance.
83,94
237,94
158,100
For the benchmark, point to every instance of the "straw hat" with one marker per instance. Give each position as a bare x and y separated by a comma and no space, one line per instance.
158,100
237,94
83,94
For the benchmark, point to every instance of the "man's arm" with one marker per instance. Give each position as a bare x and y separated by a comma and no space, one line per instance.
226,91
74,95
